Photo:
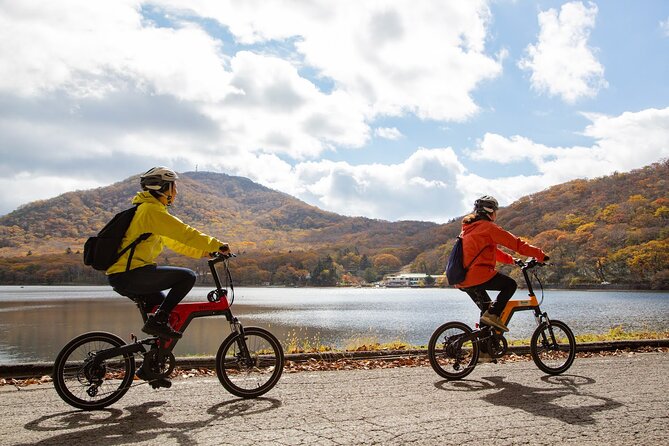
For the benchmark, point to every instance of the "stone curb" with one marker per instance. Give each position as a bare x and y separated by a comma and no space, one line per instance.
38,369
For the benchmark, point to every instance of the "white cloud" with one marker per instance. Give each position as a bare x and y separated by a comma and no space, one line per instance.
426,186
621,143
89,49
391,133
399,56
664,26
25,187
561,62
96,62
431,184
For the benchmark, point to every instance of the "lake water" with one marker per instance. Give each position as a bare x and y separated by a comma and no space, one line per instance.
36,321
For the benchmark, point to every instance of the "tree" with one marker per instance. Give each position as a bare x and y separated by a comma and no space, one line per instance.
385,263
326,272
289,275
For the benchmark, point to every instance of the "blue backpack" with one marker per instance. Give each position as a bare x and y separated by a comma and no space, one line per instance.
455,268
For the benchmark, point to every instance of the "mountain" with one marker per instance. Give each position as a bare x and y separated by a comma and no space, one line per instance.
606,230
235,209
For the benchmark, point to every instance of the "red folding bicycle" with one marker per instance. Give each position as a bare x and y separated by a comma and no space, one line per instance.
96,369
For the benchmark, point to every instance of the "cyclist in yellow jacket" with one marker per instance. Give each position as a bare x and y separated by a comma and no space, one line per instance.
141,276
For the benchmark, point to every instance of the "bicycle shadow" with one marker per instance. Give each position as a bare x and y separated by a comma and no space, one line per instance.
541,401
141,423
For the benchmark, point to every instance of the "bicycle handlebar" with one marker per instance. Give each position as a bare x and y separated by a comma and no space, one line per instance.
530,263
218,256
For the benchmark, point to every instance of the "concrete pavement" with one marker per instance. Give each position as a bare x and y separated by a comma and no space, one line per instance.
613,400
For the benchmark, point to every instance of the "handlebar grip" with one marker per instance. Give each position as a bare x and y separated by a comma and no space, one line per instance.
219,257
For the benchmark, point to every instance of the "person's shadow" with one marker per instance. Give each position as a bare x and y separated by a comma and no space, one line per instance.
564,401
142,423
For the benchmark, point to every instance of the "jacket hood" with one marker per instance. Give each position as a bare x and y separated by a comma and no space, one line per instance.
145,197
466,229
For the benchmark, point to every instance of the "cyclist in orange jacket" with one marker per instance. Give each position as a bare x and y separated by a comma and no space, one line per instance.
480,237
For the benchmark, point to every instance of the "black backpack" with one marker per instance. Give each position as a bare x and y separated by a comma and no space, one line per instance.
455,268
103,250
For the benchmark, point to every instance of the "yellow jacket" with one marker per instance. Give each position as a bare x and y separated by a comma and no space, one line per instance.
166,231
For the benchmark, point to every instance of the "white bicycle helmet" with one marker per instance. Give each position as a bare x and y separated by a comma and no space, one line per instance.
157,178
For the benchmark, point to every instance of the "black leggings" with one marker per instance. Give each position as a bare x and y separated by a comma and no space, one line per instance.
148,282
504,284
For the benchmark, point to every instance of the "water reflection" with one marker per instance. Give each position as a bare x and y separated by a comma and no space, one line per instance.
35,322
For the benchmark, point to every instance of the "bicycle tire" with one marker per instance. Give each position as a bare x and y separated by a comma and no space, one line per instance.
244,379
448,360
550,356
83,387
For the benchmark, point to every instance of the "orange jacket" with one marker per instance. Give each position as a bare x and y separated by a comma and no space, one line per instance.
483,236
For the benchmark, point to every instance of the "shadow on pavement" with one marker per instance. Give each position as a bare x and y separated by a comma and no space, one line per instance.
137,423
564,400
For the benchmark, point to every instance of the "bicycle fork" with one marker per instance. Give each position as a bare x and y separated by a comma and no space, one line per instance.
244,353
542,318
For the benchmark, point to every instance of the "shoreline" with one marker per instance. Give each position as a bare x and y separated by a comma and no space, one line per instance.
546,288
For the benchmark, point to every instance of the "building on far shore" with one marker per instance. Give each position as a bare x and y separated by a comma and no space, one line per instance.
413,280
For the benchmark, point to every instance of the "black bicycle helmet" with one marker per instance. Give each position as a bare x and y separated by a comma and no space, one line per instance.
486,204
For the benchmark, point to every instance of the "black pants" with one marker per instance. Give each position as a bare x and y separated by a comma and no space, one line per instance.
149,282
504,284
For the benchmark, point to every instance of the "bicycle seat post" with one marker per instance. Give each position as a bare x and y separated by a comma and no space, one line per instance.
142,310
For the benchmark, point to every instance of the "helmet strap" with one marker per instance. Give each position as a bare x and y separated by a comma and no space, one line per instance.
157,194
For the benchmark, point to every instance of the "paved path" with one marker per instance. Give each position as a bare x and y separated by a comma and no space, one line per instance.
621,400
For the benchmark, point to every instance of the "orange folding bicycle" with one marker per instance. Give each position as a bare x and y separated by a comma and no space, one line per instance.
454,347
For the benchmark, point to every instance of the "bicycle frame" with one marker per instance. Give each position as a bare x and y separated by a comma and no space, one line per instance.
180,318
512,306
531,304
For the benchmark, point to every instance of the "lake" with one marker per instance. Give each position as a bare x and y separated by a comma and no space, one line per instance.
36,321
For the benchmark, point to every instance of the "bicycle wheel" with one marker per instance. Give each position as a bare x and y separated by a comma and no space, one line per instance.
253,375
82,384
553,347
449,356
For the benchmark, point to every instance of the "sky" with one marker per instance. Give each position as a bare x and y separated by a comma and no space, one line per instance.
388,109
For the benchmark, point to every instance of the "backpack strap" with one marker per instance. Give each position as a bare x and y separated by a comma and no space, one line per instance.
470,263
463,245
132,247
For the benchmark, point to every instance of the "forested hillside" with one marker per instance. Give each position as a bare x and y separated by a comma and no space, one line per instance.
613,229
608,230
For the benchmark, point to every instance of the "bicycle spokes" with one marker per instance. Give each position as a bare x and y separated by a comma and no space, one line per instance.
452,352
553,347
86,382
249,365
